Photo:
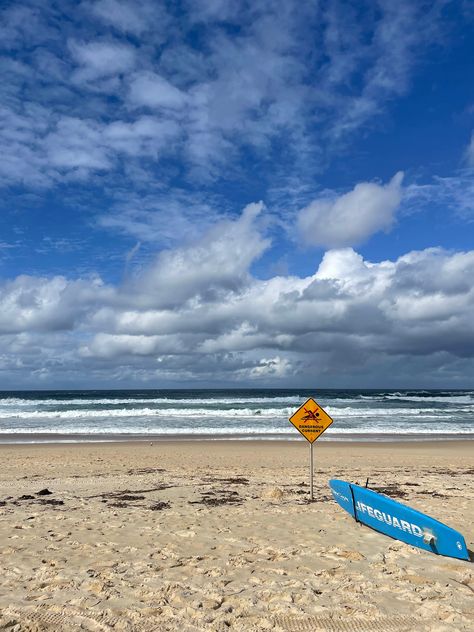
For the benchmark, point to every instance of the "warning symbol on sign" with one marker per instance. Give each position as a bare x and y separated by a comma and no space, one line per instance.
311,420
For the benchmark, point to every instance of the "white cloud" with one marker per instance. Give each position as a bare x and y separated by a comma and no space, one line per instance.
44,150
109,346
207,271
98,59
147,89
270,368
146,136
77,144
134,17
199,313
353,217
30,304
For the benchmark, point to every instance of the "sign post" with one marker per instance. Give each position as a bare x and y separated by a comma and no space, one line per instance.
311,421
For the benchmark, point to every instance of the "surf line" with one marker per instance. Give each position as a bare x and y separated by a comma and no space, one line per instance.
393,521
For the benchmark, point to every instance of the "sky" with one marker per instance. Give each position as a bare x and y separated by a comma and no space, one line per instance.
203,193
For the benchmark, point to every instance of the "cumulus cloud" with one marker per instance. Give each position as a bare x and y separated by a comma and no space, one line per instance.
198,313
353,217
216,265
30,304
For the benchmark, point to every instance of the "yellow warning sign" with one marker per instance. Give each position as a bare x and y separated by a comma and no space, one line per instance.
311,420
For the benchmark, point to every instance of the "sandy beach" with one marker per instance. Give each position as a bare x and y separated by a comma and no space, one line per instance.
221,536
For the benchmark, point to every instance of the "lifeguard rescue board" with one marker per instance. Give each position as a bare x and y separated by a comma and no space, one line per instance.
398,521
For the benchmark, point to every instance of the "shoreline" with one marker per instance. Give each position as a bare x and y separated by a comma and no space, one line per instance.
349,438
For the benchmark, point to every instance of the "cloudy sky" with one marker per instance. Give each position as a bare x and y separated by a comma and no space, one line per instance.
205,193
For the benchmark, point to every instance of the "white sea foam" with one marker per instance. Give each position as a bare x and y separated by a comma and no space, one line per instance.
182,413
144,430
464,397
255,413
210,401
446,399
391,412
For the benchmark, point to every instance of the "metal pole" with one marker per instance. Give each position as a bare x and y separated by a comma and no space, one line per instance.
311,471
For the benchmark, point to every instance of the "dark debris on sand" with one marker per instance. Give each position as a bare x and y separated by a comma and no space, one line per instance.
233,480
316,499
434,494
146,470
44,492
121,498
217,498
124,497
391,490
38,501
127,494
160,506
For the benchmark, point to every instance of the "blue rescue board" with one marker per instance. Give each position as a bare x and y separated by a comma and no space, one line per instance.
398,521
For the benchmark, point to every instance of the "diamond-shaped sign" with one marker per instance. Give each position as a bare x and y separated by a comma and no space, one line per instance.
311,420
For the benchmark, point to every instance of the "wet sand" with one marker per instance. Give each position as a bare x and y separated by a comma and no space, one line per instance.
221,536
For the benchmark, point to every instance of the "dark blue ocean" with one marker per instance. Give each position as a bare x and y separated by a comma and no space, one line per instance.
36,416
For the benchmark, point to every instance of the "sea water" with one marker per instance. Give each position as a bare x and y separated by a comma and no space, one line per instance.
38,416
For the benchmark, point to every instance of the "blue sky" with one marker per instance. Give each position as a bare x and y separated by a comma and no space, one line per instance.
247,193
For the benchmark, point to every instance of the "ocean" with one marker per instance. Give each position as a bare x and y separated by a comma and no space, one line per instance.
373,415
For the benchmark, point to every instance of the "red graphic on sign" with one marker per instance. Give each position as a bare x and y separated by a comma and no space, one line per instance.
311,415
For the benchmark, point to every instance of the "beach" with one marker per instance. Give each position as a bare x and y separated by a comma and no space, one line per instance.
217,535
